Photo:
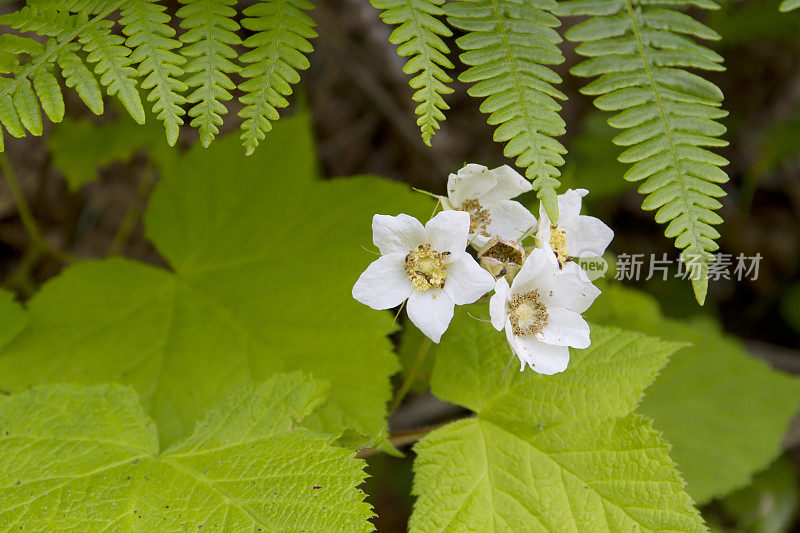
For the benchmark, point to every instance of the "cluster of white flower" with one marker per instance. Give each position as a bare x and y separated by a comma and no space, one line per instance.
540,291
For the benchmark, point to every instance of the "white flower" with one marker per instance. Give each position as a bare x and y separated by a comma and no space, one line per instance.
575,235
487,196
541,312
428,265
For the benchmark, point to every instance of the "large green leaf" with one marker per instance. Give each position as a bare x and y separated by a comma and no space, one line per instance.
86,458
263,259
548,453
724,412
80,148
12,318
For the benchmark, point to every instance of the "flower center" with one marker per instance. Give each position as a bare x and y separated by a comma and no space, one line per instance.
479,218
558,242
527,314
426,268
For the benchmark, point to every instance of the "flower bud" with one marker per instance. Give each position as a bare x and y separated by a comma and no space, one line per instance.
502,258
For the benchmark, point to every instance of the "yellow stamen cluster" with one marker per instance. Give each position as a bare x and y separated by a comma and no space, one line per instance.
479,218
426,268
527,314
558,242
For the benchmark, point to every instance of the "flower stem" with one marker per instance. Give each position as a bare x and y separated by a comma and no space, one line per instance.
411,375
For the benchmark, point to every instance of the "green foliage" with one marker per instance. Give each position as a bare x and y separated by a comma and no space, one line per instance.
196,69
78,76
209,38
592,165
251,291
419,35
80,147
12,318
508,46
113,65
87,458
548,453
151,39
712,398
770,503
789,5
639,52
281,36
70,33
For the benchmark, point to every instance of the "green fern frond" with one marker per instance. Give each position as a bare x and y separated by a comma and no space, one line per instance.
151,39
33,83
30,64
508,45
45,22
419,36
113,65
85,7
78,76
277,48
638,51
789,5
207,46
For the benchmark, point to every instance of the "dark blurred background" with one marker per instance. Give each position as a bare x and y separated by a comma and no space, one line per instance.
364,123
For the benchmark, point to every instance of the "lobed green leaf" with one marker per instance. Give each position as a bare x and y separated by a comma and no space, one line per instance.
85,458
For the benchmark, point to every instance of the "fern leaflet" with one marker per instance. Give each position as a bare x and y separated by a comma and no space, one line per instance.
669,115
113,65
508,45
151,39
419,35
49,92
78,76
208,48
277,48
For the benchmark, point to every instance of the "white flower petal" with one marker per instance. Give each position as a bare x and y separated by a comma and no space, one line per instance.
497,304
569,204
565,328
384,284
431,311
569,207
448,231
472,181
467,281
589,238
569,289
542,357
512,342
478,241
539,265
395,235
510,220
510,184
543,230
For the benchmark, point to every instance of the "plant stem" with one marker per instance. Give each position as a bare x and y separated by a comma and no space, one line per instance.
403,438
411,375
26,215
134,212
20,280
